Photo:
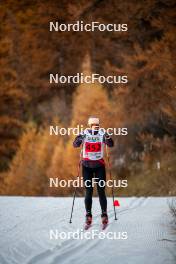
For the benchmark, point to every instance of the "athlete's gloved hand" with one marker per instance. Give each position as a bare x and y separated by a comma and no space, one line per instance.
107,136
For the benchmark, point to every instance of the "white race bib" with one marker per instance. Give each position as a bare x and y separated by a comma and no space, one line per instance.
93,146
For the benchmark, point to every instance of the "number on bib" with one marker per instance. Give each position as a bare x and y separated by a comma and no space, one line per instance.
93,147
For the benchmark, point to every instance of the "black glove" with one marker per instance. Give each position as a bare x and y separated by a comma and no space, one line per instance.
107,136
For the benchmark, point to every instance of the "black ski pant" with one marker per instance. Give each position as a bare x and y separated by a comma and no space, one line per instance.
99,174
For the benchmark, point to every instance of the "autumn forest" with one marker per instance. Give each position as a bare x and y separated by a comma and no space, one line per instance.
30,104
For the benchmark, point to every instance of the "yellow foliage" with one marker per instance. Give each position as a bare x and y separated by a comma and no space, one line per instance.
27,174
91,100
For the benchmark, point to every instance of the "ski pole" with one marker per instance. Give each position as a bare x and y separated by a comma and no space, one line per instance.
74,195
110,175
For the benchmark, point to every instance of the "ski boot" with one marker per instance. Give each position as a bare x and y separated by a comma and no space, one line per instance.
104,219
88,220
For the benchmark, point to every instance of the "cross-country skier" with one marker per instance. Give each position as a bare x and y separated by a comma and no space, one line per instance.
93,140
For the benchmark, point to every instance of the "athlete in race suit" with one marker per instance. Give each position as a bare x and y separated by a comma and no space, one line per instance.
93,141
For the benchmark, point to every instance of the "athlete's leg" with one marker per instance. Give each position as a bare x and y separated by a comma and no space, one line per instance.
100,174
87,177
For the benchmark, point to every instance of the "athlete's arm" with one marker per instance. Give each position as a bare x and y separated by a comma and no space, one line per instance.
78,141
